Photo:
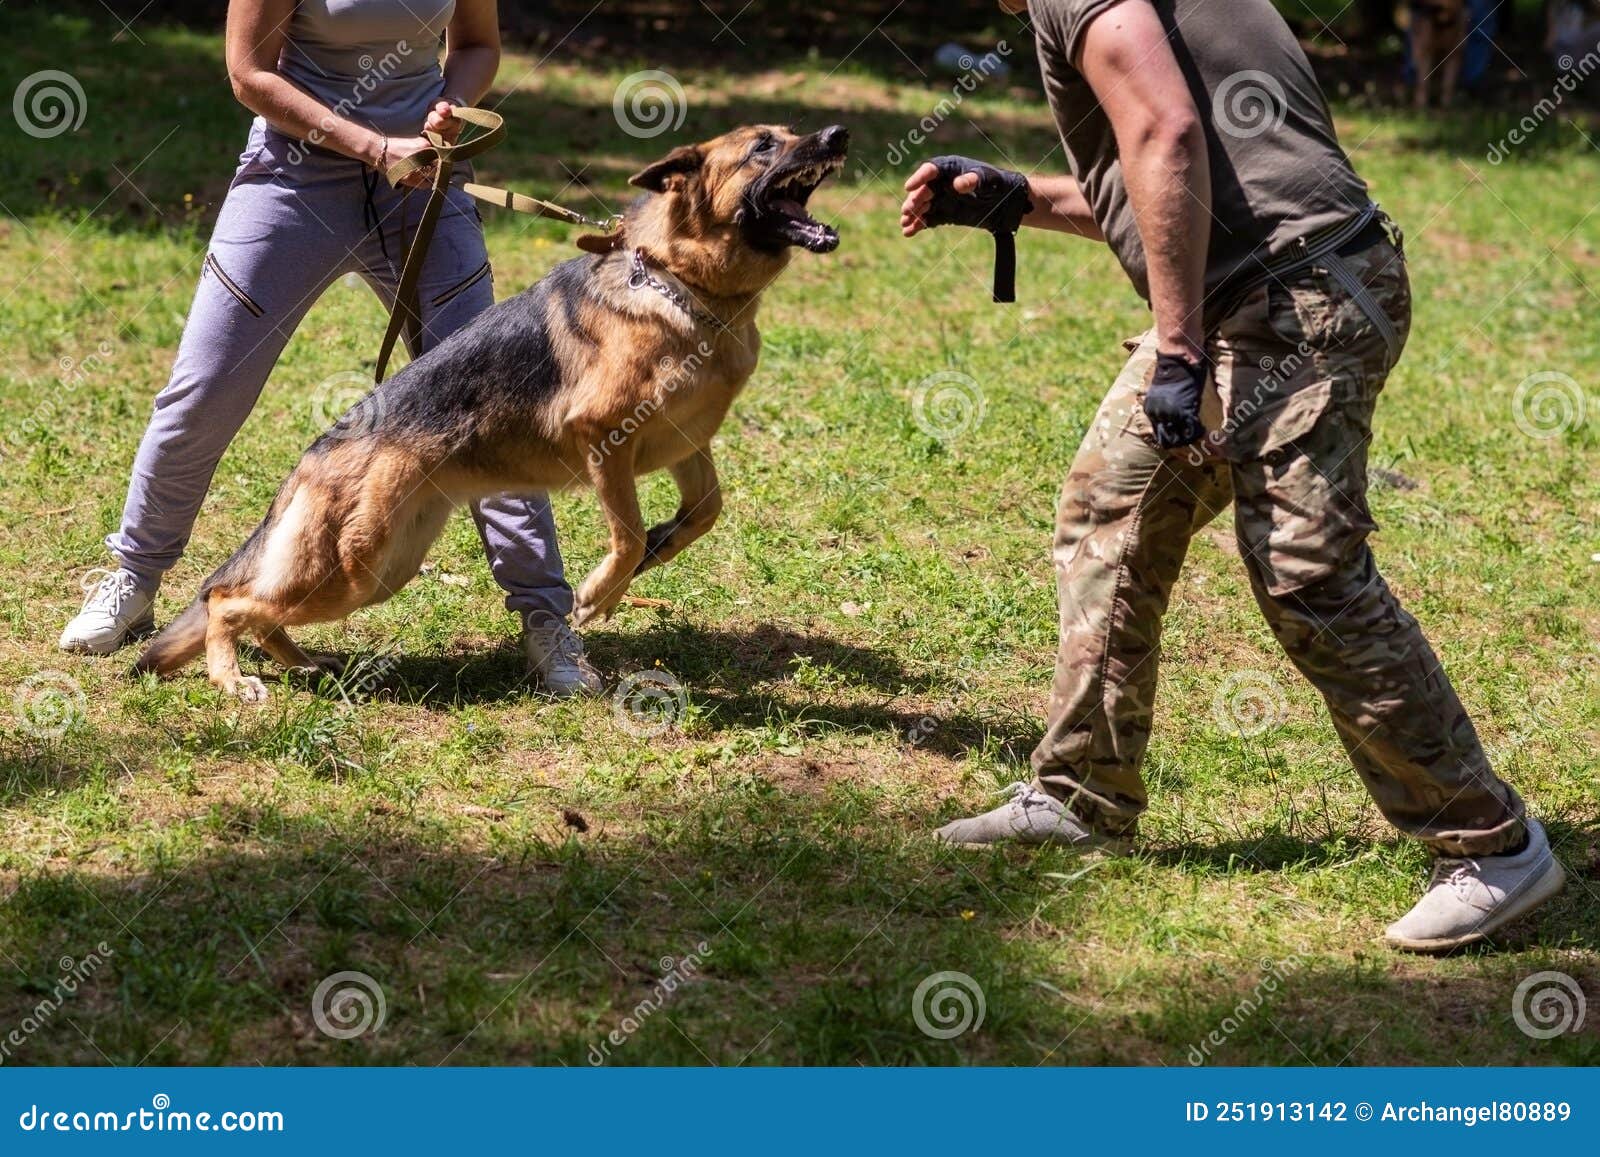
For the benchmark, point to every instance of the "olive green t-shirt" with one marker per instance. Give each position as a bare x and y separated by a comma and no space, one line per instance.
1277,171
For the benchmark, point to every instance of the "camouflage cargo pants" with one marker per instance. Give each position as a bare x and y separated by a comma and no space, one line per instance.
1298,368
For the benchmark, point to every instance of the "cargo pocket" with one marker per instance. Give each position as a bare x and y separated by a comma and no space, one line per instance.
1299,471
1134,380
232,286
463,285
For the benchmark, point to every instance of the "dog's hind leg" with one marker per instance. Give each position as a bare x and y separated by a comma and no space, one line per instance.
699,505
231,617
618,492
276,642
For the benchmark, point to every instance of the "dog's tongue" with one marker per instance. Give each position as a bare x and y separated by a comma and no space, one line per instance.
790,207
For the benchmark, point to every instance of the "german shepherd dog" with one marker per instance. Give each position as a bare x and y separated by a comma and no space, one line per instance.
617,363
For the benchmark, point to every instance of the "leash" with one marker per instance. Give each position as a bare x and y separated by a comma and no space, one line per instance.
406,317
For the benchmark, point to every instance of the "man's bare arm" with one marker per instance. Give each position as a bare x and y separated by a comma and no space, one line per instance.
1059,204
1162,147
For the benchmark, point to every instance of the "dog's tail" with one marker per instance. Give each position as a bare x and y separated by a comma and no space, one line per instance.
184,638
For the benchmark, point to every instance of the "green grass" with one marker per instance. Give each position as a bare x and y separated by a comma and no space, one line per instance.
865,640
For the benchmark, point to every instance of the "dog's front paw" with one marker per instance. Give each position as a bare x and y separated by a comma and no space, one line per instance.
585,612
598,598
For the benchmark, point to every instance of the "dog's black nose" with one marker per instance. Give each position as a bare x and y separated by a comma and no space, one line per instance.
834,138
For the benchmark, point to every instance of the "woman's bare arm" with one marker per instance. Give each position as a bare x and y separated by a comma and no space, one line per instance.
472,51
256,33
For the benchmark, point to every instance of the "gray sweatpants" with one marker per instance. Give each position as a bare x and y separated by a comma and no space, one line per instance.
291,225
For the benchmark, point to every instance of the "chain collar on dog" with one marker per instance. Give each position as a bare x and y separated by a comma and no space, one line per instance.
640,277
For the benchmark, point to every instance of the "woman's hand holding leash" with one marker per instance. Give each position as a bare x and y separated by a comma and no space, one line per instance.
442,119
401,147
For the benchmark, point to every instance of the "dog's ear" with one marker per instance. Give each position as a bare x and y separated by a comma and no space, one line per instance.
670,171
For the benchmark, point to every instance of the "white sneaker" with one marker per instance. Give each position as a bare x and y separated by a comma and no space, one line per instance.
116,610
556,658
1467,898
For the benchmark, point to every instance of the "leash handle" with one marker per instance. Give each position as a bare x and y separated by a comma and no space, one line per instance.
442,155
492,130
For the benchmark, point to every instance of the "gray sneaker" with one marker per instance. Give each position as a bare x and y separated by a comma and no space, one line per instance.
1468,899
1028,817
556,658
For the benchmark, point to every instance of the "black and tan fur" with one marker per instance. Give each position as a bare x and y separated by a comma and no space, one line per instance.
583,379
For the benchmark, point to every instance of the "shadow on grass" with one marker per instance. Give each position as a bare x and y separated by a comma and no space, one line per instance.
742,679
180,129
179,132
520,946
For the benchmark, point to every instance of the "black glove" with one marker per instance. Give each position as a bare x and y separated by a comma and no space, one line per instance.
1172,403
998,204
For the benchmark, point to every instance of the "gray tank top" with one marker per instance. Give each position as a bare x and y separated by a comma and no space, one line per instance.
375,62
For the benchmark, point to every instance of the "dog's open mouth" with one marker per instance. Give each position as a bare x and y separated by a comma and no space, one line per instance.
778,214
785,204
